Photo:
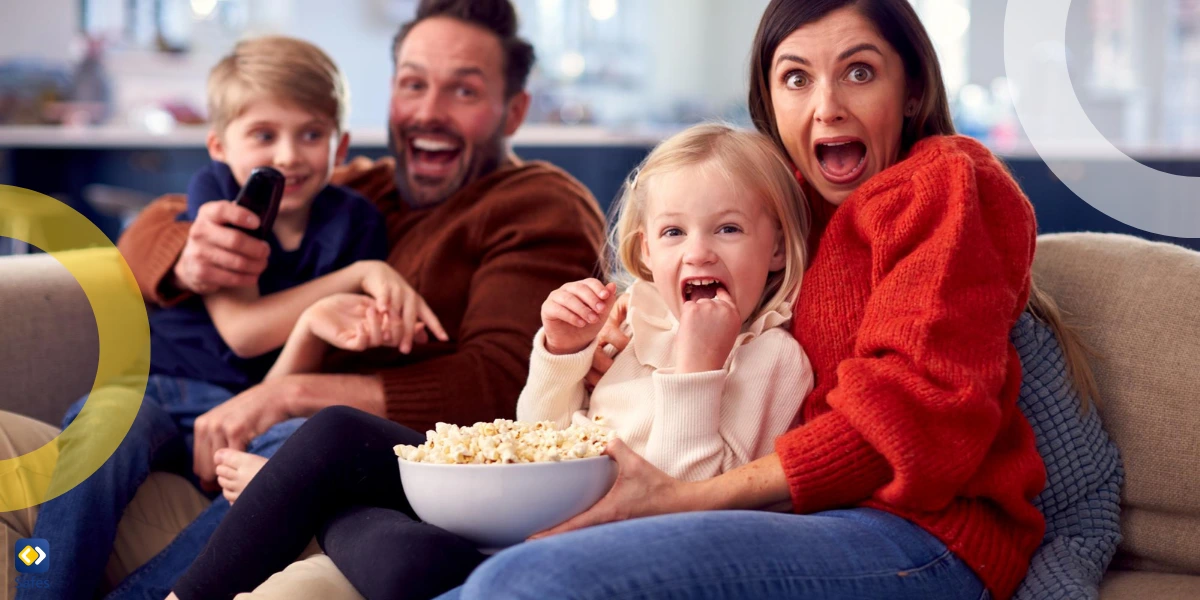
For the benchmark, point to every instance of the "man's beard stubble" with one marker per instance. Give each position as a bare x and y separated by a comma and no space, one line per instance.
484,160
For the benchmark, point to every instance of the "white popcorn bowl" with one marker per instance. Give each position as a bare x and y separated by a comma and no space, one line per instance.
500,505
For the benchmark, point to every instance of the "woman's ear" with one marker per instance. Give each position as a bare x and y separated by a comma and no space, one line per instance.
779,257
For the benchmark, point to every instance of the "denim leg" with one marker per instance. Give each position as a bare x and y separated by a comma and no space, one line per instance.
835,555
81,524
154,580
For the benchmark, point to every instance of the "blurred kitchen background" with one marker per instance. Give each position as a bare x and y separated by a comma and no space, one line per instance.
102,101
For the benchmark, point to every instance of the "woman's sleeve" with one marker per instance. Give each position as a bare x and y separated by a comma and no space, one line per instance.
919,403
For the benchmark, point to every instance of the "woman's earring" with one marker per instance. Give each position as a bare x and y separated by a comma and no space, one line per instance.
911,109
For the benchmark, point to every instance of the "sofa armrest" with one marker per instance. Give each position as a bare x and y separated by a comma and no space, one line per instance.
49,346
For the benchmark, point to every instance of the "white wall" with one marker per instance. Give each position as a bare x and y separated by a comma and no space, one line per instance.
38,28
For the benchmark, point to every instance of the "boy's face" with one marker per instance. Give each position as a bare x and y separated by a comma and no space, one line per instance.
449,117
269,133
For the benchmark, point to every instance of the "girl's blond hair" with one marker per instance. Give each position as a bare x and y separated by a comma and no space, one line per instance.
747,160
279,67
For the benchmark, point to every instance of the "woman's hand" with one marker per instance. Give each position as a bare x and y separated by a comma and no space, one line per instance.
707,330
396,298
573,314
354,322
641,490
610,334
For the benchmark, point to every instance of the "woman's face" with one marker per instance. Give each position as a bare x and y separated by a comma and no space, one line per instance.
839,93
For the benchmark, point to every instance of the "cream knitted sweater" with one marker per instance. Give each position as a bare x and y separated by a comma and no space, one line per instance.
693,426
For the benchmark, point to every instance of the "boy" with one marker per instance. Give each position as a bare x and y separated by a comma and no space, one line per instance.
274,101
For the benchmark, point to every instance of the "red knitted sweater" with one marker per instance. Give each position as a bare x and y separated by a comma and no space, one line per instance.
905,312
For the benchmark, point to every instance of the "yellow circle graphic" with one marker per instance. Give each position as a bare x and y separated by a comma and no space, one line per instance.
124,335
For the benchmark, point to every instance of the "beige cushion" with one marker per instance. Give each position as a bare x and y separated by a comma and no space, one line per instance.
1137,305
48,342
1133,585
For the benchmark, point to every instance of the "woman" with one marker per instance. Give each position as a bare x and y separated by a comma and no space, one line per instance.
912,472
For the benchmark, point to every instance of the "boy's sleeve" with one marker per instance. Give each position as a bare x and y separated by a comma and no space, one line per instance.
213,182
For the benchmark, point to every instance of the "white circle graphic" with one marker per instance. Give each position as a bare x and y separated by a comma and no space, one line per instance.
1061,133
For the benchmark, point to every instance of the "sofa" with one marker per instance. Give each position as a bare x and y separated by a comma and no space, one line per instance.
1136,303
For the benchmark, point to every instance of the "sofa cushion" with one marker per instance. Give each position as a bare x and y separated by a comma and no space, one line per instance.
1136,306
1083,474
1134,585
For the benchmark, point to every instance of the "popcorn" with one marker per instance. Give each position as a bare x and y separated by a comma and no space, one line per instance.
507,442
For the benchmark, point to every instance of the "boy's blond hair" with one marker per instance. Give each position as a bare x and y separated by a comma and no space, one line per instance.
282,68
746,159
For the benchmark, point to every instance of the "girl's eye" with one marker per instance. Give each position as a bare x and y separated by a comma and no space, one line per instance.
672,232
729,229
795,79
861,74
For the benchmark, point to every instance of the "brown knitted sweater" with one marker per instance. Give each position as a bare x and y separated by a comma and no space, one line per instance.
484,260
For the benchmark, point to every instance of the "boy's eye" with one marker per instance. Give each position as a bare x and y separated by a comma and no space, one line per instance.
313,135
262,136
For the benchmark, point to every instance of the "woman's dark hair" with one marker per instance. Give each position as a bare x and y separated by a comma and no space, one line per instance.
898,23
496,16
895,20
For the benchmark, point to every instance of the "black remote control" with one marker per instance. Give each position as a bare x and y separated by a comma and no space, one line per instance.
261,194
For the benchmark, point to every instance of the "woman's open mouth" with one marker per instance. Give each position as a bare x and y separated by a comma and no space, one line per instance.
433,157
842,160
698,288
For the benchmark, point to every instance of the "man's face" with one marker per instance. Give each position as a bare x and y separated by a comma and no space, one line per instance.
449,118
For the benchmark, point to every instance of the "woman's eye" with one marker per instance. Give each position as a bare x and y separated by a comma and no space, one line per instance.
861,74
795,80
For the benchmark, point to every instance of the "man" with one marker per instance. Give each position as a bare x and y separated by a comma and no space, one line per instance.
482,237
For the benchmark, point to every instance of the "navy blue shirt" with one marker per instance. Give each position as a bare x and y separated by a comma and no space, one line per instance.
343,227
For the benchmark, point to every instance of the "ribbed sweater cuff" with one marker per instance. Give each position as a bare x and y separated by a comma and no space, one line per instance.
158,263
829,464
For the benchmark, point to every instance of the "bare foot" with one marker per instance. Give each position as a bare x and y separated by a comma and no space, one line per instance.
235,470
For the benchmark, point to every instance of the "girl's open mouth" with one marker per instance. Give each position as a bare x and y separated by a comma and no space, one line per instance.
842,160
697,288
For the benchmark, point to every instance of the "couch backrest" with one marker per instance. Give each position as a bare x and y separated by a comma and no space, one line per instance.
1137,305
49,346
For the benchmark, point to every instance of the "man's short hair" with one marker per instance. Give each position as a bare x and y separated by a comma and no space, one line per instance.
496,16
282,68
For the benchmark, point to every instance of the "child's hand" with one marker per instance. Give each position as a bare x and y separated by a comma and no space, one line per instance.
707,330
354,322
573,314
394,297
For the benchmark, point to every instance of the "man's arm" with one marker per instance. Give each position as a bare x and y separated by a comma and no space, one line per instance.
172,259
538,237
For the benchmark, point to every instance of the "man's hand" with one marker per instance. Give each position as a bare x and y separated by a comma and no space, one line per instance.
218,256
235,422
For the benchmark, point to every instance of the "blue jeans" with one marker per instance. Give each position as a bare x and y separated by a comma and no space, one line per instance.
81,524
835,555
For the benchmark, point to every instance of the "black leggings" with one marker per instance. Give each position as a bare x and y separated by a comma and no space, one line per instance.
335,478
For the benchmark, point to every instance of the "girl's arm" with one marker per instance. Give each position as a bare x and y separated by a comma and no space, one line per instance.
554,390
707,423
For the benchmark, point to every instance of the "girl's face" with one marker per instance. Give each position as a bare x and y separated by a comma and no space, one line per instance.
839,92
702,232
